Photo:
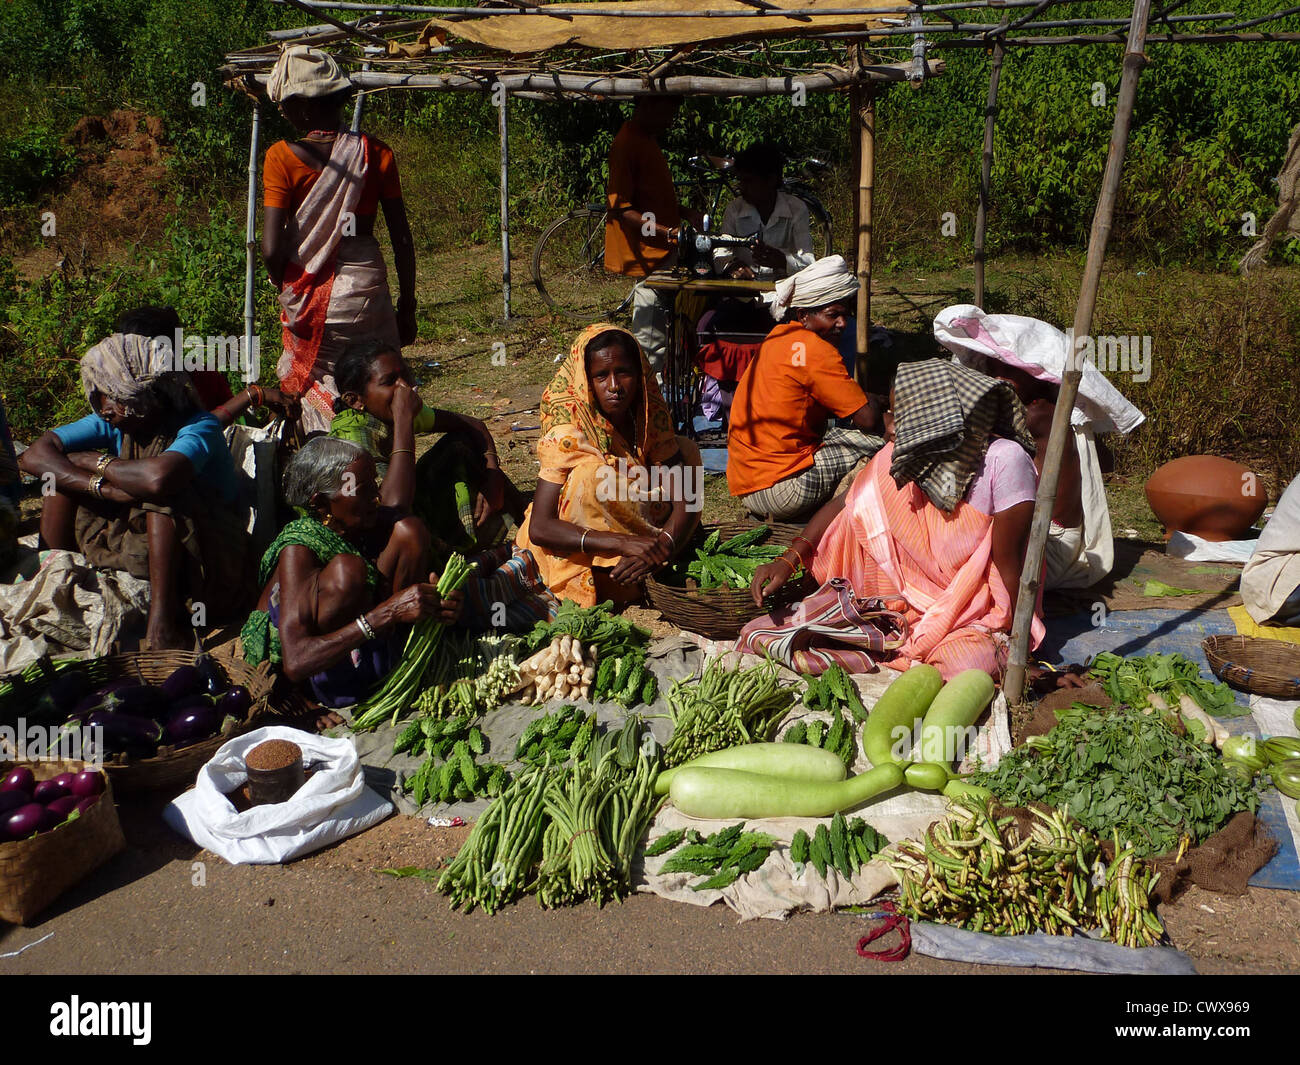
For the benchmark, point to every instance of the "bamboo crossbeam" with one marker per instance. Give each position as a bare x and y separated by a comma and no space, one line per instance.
1272,16
986,169
555,10
1031,574
606,86
348,28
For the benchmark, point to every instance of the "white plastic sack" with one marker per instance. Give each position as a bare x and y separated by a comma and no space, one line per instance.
334,803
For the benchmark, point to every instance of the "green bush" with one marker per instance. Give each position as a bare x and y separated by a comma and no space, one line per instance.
30,162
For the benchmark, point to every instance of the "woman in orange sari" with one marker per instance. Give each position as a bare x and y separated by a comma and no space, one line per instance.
619,492
936,524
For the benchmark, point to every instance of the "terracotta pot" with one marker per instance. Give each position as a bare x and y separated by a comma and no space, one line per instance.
1206,496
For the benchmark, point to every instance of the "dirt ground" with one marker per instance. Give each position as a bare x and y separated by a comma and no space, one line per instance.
167,906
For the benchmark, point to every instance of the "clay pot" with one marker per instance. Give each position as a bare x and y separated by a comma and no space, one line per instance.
1206,496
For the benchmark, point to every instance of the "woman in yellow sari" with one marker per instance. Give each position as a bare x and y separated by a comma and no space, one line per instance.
619,492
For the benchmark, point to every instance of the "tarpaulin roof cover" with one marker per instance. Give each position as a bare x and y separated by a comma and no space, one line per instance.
607,25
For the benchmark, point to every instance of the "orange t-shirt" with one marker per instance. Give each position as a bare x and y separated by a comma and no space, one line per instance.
781,407
638,177
286,179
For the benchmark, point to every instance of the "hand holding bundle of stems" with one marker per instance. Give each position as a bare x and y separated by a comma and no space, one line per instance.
979,873
400,686
725,708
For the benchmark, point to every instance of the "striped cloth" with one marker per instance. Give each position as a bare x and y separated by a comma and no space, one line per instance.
511,596
810,488
944,414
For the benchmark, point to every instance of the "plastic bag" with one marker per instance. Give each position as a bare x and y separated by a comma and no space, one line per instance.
333,804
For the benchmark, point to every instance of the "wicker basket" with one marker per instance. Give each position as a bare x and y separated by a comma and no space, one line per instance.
720,613
1251,664
173,768
34,872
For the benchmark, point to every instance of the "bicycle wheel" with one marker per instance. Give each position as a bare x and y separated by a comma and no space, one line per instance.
569,268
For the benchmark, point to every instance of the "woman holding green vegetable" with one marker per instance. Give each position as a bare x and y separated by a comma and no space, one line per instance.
342,581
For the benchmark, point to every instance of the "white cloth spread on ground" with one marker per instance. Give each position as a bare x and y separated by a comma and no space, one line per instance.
1041,350
1273,572
777,889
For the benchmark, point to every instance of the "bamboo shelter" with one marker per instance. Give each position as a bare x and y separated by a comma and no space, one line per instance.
742,48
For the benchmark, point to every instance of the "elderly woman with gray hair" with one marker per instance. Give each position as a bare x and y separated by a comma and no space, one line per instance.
146,484
341,580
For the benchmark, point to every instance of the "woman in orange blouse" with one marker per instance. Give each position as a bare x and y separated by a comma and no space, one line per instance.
322,193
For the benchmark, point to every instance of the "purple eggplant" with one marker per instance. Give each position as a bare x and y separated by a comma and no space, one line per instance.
87,783
236,702
11,800
20,779
61,808
61,695
85,804
213,680
125,734
189,726
49,790
27,821
140,700
185,680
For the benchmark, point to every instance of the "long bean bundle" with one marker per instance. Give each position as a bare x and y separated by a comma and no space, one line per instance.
399,687
582,821
725,708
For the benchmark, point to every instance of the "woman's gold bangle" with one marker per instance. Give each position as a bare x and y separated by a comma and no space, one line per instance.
103,462
793,567
97,485
401,451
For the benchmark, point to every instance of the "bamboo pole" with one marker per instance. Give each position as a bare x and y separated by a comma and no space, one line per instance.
866,127
986,169
1031,575
560,11
505,201
250,238
358,105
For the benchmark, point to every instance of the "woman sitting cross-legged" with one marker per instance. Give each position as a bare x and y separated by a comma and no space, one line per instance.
342,581
146,484
936,524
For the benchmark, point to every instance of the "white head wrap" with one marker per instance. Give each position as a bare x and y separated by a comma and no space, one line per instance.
125,368
828,280
304,71
1040,350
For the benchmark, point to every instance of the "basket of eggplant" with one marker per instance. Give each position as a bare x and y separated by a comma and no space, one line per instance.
160,714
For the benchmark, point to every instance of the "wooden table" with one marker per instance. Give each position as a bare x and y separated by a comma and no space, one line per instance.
694,296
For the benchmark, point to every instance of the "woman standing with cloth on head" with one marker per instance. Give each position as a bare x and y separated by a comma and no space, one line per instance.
322,193
782,461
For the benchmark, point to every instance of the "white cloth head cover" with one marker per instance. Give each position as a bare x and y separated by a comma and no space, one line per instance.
304,71
1040,350
124,367
828,280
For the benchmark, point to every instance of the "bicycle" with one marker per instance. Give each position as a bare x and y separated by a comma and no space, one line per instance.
568,265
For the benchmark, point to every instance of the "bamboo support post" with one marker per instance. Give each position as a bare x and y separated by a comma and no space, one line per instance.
986,169
1031,575
865,129
502,96
250,241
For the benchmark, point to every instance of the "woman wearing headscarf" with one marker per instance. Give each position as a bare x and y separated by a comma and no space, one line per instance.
1030,355
341,583
321,195
936,524
619,491
146,484
782,460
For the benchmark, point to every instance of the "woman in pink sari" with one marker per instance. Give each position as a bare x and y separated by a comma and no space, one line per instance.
321,195
936,524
